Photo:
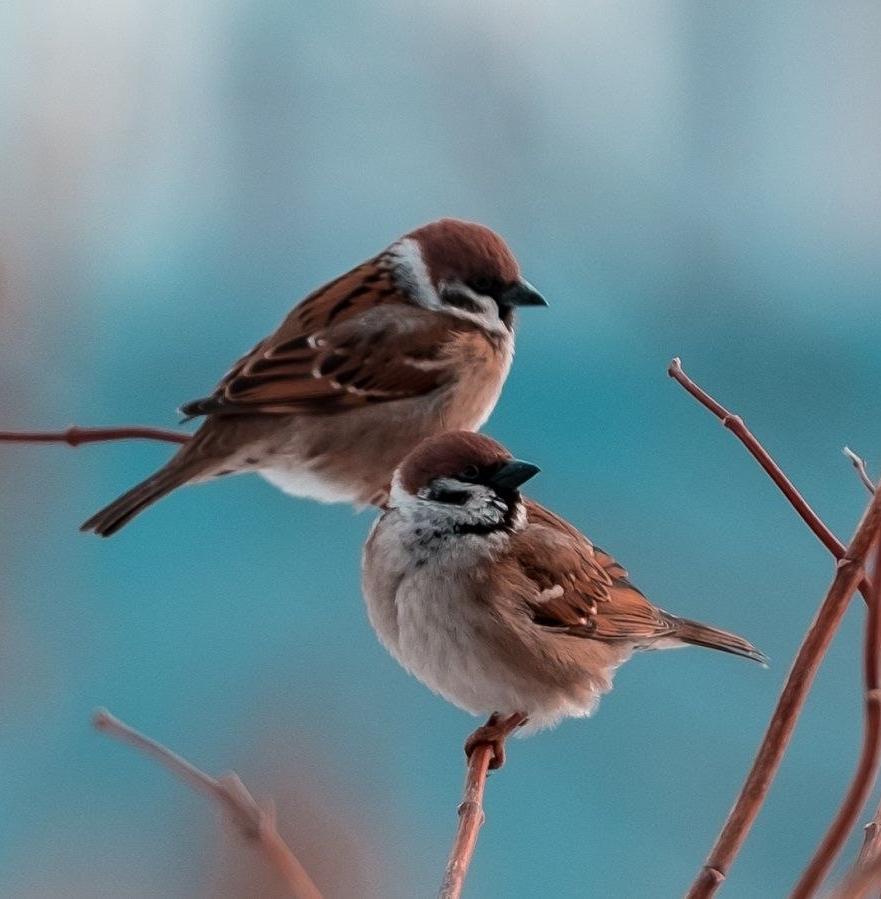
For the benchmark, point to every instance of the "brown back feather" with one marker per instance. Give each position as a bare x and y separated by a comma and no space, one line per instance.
342,347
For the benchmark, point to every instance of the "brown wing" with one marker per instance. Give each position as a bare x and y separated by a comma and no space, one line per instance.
345,345
579,588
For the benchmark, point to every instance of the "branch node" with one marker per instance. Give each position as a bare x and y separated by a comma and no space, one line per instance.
732,421
715,873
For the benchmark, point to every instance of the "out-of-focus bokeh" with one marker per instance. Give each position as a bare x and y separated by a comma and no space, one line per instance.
676,177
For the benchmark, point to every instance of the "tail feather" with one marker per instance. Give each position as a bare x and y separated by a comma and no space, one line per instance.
121,511
715,638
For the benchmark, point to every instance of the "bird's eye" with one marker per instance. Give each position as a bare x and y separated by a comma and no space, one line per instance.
485,286
469,473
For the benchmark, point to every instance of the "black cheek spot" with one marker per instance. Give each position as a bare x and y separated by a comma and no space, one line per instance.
460,301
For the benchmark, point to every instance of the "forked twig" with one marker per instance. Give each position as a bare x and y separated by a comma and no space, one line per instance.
848,575
870,754
75,435
231,794
737,426
862,470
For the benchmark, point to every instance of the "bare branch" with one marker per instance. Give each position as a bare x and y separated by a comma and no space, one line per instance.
870,755
870,851
75,435
860,465
860,880
471,818
231,794
736,425
485,748
848,575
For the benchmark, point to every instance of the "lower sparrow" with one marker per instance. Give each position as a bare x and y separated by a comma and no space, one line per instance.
499,605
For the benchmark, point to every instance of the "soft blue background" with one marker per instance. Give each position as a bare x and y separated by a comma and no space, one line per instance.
677,177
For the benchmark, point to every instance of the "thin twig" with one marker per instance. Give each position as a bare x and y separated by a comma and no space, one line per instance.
870,755
75,435
862,470
736,425
471,818
231,794
870,853
848,575
859,880
484,753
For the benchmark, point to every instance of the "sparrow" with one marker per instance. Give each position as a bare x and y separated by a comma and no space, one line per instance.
413,342
499,605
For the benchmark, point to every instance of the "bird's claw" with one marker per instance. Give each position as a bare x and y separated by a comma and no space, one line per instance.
493,734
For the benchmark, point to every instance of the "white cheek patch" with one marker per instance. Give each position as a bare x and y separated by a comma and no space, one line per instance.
411,273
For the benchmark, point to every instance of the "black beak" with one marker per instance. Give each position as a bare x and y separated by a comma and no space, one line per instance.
512,474
522,294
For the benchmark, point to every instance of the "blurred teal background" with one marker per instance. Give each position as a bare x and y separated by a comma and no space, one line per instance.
676,177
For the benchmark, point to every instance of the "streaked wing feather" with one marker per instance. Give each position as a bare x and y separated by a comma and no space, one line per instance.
580,589
340,348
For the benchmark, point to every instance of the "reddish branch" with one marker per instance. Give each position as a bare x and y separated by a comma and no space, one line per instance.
471,818
859,881
870,853
866,872
256,823
483,756
848,574
870,755
75,435
736,425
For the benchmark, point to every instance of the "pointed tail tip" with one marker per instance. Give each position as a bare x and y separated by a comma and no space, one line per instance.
758,656
93,525
740,647
714,638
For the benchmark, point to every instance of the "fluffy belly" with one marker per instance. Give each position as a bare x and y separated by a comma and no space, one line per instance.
297,480
453,651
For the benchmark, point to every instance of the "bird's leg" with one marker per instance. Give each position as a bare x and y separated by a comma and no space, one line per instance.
494,733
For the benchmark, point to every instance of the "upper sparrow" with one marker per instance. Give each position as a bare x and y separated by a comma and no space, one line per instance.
498,604
413,342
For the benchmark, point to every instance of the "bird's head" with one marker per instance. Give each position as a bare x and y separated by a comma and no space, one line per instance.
463,269
464,481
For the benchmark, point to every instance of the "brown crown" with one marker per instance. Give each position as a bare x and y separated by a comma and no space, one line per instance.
447,455
466,251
